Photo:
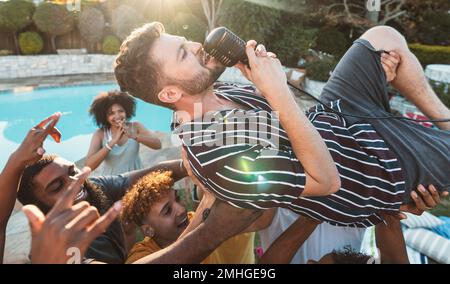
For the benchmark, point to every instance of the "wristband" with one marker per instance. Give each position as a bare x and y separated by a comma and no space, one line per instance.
108,147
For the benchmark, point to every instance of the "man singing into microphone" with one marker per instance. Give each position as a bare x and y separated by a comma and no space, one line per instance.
332,168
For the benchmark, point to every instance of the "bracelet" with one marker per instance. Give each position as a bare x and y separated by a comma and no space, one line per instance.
108,147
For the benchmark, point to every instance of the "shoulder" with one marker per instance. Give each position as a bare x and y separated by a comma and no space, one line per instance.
98,133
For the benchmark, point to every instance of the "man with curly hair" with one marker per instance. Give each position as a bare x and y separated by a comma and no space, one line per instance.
154,206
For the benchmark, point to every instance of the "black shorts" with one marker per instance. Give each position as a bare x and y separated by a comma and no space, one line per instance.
360,82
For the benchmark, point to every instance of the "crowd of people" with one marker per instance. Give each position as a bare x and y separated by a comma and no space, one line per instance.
309,195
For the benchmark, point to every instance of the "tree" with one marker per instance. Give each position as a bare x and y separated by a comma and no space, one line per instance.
211,8
91,23
293,43
390,10
15,15
124,20
206,10
189,26
54,20
427,22
250,21
290,6
355,13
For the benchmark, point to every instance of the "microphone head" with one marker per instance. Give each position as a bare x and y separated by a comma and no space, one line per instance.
225,47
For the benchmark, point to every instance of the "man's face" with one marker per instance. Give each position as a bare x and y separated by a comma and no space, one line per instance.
185,64
168,217
53,180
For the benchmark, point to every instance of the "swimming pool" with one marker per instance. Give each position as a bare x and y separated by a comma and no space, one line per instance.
21,111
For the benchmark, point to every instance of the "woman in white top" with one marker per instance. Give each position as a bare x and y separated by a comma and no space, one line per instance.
116,142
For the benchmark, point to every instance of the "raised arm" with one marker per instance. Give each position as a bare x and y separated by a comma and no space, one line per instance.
390,241
283,249
176,166
98,153
144,136
389,236
9,180
29,151
322,177
223,222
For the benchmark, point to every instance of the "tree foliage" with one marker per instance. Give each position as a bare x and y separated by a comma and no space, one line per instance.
189,26
124,20
91,24
249,20
53,19
15,15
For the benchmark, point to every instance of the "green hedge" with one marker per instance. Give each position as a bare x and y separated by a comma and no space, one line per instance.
294,43
431,54
442,90
111,45
30,43
331,41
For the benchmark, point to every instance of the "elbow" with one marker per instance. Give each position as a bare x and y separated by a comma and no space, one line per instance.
333,182
326,185
156,145
331,185
335,185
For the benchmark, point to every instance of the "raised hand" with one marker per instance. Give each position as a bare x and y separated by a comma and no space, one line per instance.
117,136
67,227
390,61
127,131
428,199
31,149
265,69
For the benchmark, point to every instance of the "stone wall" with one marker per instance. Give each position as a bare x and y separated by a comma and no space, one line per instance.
57,65
54,65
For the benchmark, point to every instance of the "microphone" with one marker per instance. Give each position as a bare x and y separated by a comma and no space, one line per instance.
226,47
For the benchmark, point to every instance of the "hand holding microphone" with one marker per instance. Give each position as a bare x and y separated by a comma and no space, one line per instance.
256,64
265,70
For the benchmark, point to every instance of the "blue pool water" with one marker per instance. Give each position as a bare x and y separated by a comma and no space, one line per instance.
21,111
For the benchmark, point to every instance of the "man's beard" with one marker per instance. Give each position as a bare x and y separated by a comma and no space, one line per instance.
201,82
96,197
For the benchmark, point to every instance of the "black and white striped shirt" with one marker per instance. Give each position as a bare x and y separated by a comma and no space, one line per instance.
262,171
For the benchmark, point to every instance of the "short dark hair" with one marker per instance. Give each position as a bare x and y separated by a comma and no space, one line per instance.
349,256
26,194
103,102
136,72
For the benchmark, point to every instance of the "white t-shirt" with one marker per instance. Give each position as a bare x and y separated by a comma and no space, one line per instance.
323,240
